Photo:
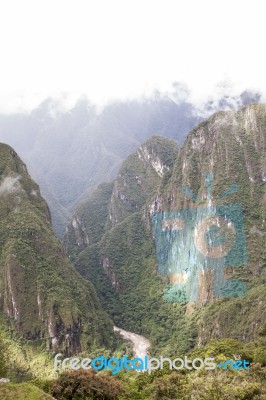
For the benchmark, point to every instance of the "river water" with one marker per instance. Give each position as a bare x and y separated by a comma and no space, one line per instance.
140,344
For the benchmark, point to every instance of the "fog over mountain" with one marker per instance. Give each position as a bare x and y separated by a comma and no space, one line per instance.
69,152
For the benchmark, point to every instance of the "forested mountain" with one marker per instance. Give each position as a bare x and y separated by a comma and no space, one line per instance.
173,248
141,240
43,298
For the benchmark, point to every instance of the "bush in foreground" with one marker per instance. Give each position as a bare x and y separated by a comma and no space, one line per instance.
86,385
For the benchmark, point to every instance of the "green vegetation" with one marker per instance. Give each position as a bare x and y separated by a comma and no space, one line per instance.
89,222
22,360
88,385
166,383
3,360
206,385
22,391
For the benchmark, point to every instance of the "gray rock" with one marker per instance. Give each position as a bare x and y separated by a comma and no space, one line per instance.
4,380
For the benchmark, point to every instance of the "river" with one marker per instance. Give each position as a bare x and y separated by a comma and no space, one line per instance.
140,344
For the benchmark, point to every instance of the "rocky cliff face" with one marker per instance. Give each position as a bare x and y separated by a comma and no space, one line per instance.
139,176
42,295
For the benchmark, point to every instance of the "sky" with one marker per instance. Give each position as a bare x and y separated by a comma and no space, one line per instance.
121,49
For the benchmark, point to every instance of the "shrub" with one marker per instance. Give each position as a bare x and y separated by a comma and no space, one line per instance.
86,385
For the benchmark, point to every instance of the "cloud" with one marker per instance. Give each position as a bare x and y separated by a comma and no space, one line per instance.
116,50
9,185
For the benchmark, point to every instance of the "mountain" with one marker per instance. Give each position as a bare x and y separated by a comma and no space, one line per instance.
43,298
69,153
179,253
111,203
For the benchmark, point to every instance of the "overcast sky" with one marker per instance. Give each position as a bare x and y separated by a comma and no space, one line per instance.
125,48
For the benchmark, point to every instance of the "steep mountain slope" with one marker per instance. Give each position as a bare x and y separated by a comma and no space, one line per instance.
157,273
42,296
223,162
89,221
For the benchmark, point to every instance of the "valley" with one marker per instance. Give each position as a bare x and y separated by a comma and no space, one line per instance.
168,256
